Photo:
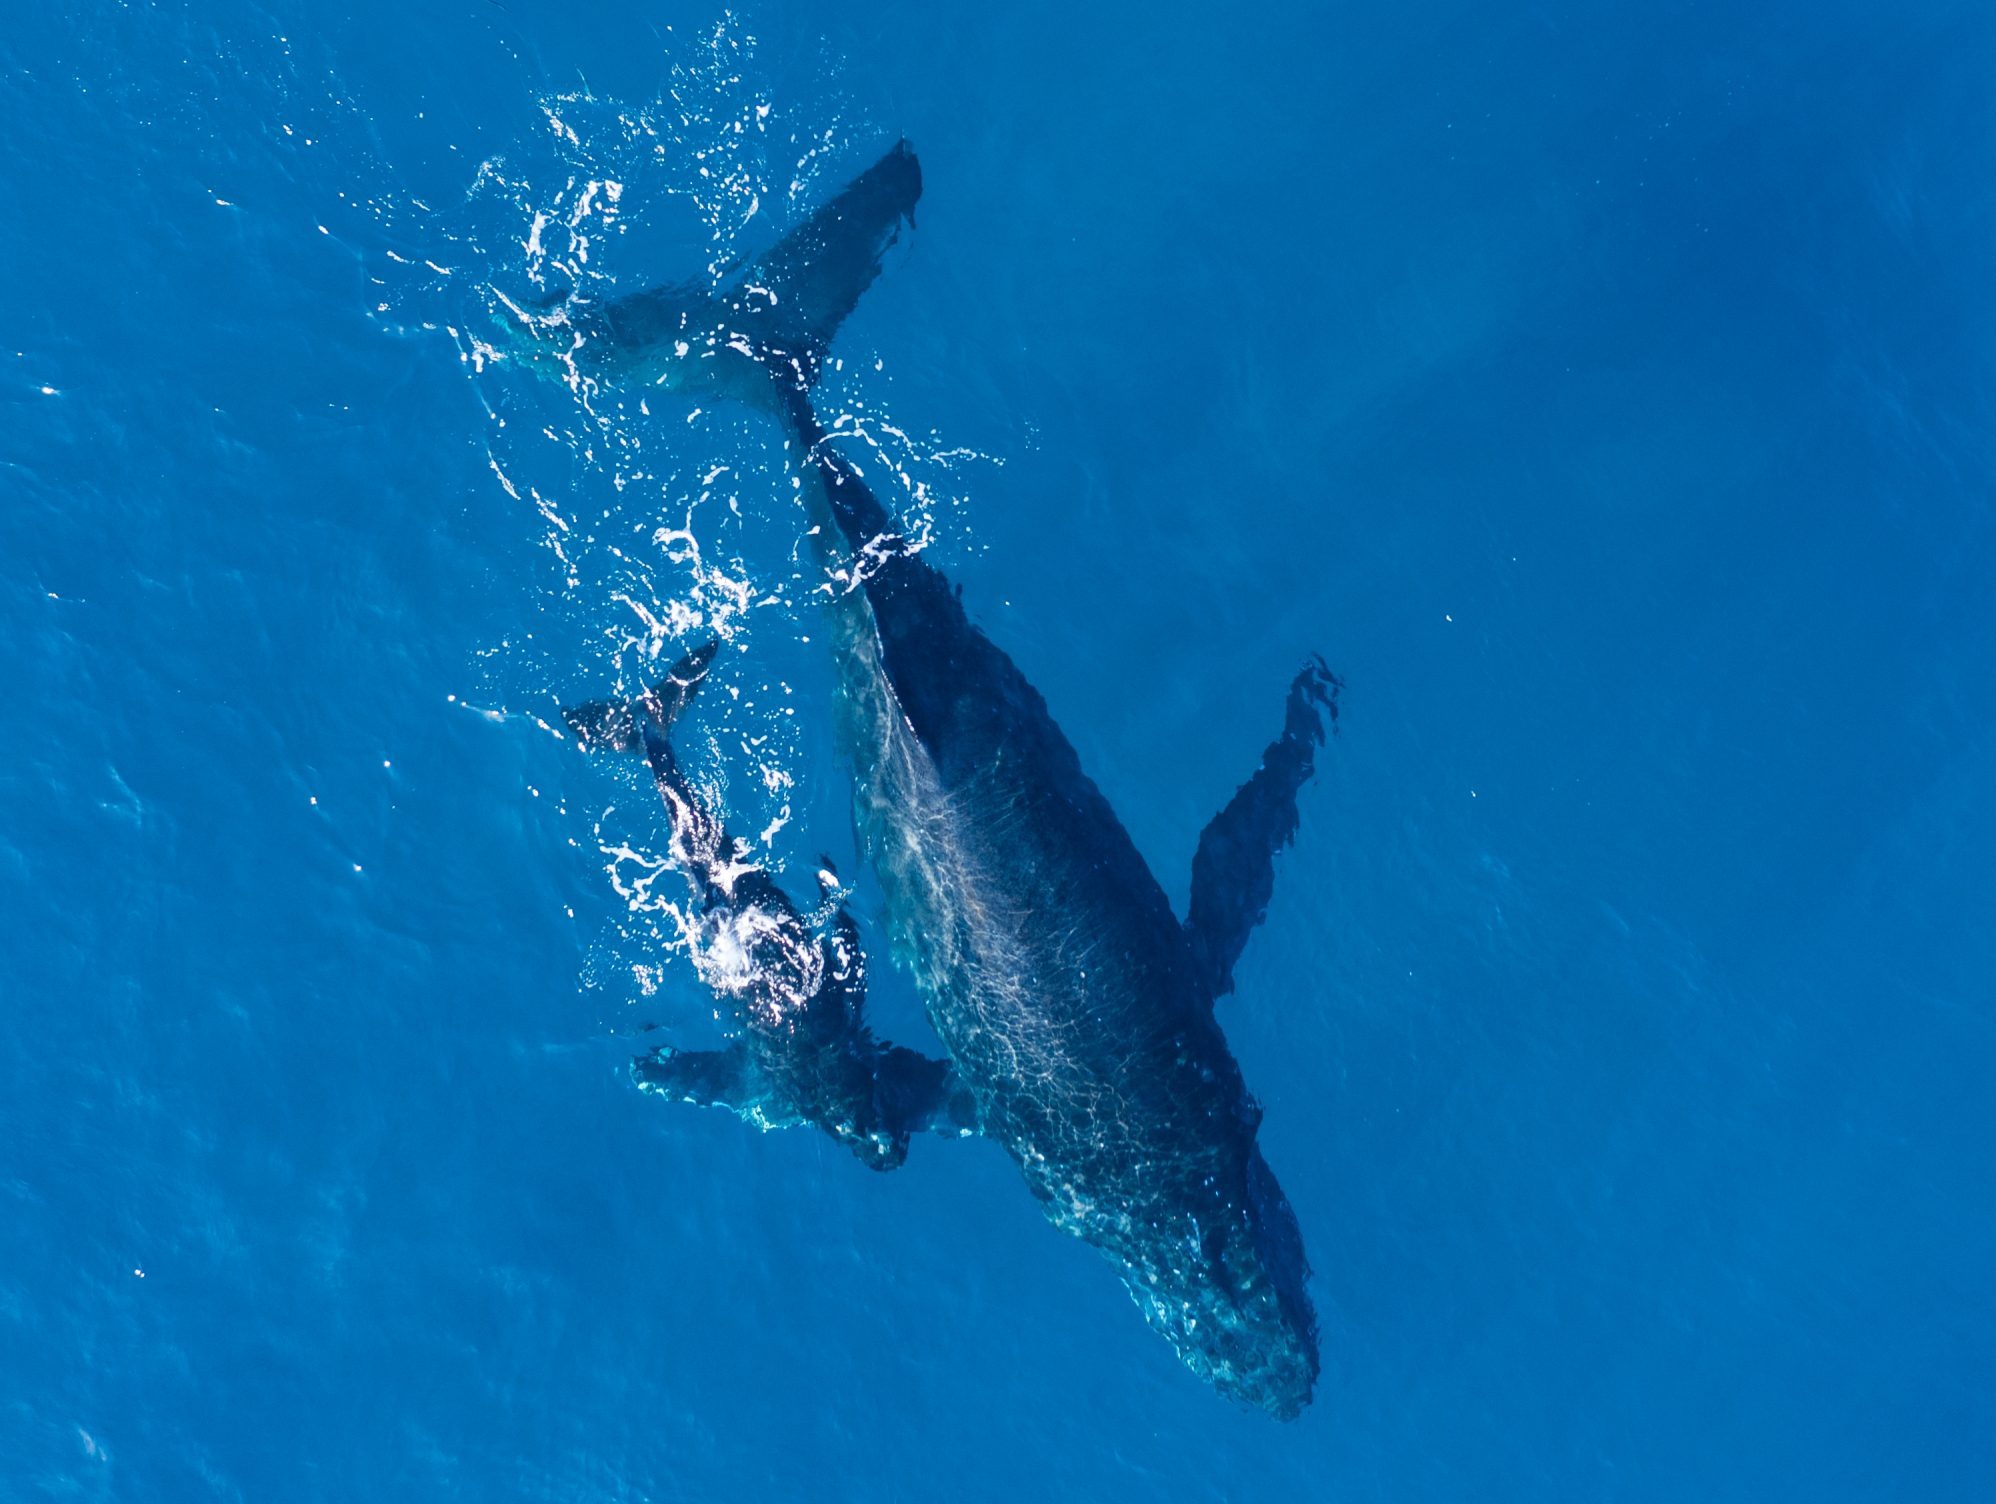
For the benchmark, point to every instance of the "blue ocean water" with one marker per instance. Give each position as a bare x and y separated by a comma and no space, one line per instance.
1608,394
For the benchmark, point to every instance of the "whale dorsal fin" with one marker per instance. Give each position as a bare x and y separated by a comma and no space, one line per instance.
1233,871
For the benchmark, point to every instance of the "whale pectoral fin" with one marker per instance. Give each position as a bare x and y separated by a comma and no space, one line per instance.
713,1078
923,1095
1233,872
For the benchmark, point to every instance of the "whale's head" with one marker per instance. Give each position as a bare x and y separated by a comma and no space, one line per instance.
1230,1298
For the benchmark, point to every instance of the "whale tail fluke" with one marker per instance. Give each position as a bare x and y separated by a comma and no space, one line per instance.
772,318
815,275
613,725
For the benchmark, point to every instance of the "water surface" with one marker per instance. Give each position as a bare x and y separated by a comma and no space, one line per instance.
1606,396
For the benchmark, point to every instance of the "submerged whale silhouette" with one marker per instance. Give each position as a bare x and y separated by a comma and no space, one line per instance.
1077,1009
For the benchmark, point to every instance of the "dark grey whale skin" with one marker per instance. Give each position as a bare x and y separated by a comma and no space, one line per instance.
1077,1008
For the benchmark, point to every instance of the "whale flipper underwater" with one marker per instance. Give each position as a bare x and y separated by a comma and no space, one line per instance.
1077,1009
804,1054
1233,871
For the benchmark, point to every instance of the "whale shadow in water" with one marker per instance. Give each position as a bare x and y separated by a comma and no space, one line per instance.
1077,1008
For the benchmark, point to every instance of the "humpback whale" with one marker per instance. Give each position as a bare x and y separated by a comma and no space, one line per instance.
1077,1009
804,1053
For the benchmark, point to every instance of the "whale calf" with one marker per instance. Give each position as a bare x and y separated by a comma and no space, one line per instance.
803,1053
1077,1008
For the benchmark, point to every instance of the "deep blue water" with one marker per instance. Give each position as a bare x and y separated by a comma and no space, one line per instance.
1608,393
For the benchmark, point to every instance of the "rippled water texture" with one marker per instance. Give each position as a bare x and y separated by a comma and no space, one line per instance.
1607,396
